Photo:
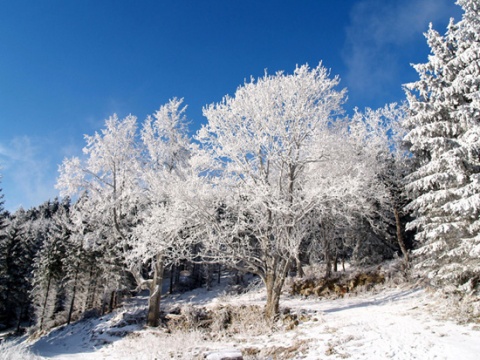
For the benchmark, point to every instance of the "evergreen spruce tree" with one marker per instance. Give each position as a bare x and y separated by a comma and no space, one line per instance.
8,269
444,136
2,202
48,287
22,238
94,269
4,250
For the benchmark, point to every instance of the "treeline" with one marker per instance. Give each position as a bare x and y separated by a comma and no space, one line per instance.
47,276
50,278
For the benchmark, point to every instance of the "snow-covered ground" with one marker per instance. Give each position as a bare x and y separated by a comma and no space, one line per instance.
396,323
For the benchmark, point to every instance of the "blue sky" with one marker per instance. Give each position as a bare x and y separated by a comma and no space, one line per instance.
66,66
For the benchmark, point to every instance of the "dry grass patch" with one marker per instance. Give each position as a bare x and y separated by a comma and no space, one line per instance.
223,320
276,352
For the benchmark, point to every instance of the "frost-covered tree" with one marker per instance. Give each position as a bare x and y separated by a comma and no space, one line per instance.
380,133
49,293
444,136
108,178
91,271
109,174
17,251
128,208
354,210
46,276
4,215
273,154
158,235
3,243
2,202
92,268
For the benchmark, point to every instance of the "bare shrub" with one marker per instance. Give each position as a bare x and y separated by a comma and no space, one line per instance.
188,318
222,319
248,319
457,306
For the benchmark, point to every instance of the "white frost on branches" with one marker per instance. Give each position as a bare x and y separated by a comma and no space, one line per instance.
444,128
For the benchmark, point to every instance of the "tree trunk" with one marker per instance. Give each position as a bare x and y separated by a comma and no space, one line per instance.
400,240
179,269
45,303
72,302
196,275
208,276
328,262
274,280
155,292
92,289
20,314
238,277
335,262
113,301
272,307
88,301
172,274
93,300
104,301
300,273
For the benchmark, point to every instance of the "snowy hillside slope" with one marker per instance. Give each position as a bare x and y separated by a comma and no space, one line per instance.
396,323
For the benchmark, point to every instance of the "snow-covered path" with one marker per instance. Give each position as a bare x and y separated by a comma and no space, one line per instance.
394,324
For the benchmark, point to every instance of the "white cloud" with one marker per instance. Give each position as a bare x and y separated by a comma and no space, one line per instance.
28,174
380,37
